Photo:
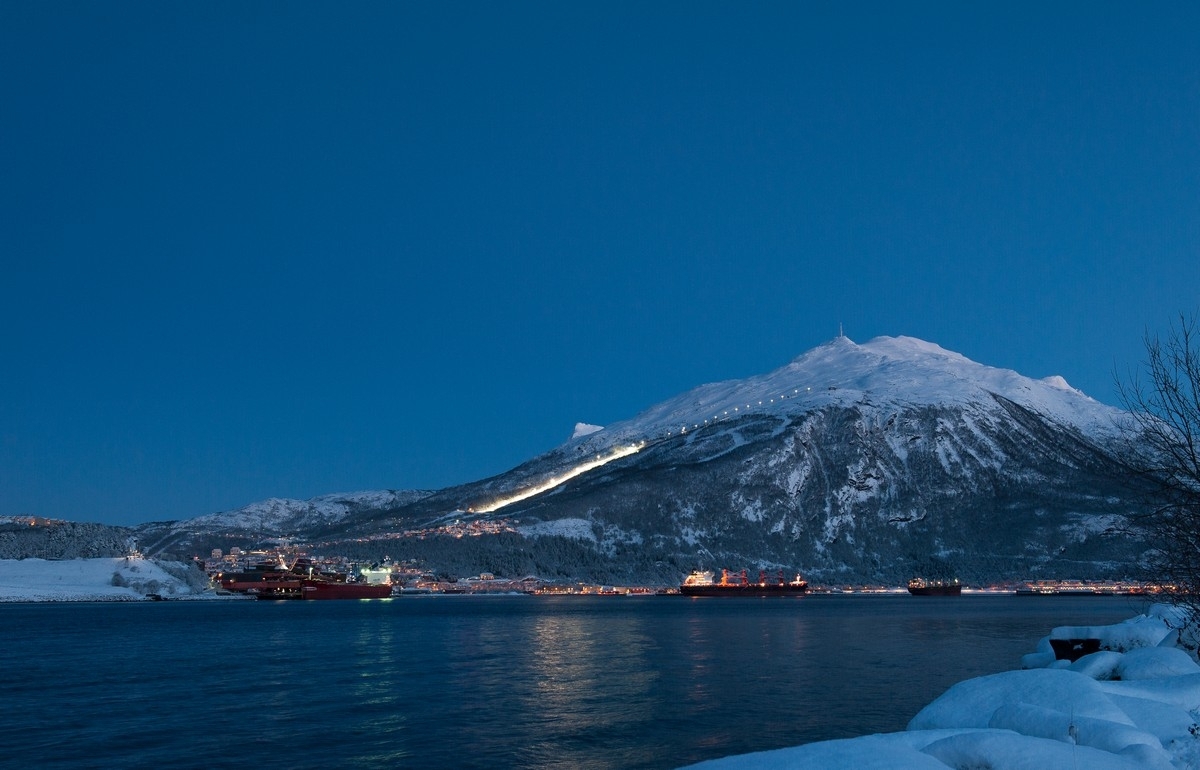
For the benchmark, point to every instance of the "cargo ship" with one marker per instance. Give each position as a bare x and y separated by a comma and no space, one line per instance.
704,584
308,588
1080,588
923,587
299,580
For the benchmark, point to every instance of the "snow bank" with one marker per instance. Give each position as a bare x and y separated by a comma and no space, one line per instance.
119,579
1140,631
1133,704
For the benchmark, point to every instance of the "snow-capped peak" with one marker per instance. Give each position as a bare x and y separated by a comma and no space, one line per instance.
887,372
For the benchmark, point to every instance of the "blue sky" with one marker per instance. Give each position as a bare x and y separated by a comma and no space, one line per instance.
292,248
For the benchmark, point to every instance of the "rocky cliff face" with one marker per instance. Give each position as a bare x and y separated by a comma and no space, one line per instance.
852,463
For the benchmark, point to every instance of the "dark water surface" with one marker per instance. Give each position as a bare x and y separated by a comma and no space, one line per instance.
491,682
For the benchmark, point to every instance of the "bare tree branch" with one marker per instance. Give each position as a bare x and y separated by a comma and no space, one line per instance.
1164,439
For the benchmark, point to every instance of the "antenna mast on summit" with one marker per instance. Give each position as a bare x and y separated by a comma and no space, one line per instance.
840,332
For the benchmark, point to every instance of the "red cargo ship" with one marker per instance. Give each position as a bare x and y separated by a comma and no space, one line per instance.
299,580
311,588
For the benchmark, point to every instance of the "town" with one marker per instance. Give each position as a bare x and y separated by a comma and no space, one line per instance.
412,579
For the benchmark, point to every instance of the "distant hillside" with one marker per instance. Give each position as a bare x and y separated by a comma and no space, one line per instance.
23,537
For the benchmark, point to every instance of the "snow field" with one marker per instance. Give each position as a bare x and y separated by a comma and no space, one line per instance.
75,580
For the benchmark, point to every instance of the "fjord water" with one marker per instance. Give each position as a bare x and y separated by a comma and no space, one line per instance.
491,682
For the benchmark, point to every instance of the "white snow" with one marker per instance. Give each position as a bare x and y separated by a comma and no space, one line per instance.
887,372
584,429
73,580
1057,381
1134,704
278,514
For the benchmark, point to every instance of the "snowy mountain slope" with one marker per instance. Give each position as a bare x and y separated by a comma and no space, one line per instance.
887,371
271,519
868,460
897,373
852,461
281,515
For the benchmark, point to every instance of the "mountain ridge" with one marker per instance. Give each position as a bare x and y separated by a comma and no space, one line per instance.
849,461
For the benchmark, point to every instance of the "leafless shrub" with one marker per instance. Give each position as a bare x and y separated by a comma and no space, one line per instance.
1164,438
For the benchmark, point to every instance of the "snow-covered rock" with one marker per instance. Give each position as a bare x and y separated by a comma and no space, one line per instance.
892,751
973,703
1141,631
1154,663
1141,714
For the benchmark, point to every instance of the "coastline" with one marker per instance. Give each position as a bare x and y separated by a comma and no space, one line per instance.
1133,703
116,579
1125,705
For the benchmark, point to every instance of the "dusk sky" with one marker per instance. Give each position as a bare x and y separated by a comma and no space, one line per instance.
259,249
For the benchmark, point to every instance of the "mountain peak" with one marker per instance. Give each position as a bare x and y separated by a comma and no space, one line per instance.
899,347
888,372
873,459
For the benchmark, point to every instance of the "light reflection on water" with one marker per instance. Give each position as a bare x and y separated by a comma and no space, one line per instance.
492,682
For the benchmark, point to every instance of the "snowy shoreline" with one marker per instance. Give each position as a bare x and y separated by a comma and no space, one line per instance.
120,579
1133,705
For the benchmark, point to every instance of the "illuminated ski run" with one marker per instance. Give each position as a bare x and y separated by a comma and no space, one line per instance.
554,481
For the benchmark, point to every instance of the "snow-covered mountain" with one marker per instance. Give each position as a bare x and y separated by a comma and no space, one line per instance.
282,516
275,518
890,372
860,462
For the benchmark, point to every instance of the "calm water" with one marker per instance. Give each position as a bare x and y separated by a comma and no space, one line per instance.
490,682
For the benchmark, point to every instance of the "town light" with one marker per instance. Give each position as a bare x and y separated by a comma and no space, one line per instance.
555,481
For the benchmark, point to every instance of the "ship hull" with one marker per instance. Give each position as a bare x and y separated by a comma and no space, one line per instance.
316,589
743,590
954,590
347,591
